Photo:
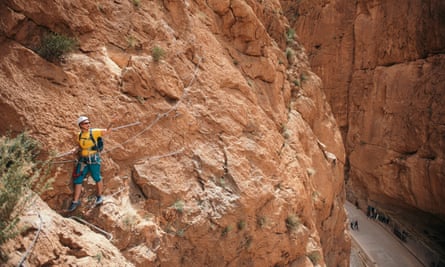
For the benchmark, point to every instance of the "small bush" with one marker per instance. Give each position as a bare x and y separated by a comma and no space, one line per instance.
53,46
290,35
157,53
290,53
99,256
226,230
133,42
180,232
19,173
248,242
241,225
179,206
129,221
285,131
101,8
136,3
314,257
261,221
292,222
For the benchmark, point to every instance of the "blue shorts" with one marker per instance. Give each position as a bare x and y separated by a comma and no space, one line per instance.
87,165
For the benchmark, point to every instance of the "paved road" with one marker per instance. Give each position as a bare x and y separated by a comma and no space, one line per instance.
382,247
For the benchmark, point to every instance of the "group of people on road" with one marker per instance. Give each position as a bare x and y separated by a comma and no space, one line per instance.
354,225
373,214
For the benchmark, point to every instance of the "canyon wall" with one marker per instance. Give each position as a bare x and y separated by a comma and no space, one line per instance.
237,159
382,65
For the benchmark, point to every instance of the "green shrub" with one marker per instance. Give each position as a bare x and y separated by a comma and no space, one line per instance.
157,53
290,35
241,225
292,222
133,42
290,54
99,256
180,232
226,230
136,3
53,46
20,172
314,257
179,206
130,221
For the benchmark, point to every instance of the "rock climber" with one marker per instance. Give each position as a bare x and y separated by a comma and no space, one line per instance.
89,159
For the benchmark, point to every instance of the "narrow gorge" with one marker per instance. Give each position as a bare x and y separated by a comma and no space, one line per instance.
382,64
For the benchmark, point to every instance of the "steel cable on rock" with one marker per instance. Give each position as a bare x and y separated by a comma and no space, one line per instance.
162,115
158,117
156,120
28,251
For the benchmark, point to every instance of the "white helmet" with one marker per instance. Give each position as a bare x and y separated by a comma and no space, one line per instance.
81,119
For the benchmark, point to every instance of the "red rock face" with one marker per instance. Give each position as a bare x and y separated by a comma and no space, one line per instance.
237,160
382,67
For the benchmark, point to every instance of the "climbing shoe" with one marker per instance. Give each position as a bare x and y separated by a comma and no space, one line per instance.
74,206
99,200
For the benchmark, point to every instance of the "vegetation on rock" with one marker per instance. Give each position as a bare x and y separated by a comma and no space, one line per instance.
20,172
53,46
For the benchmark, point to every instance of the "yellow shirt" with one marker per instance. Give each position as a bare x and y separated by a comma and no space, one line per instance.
85,142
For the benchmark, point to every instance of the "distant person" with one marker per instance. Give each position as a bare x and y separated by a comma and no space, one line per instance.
356,225
89,159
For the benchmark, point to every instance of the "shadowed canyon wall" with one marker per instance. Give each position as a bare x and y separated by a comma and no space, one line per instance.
382,64
237,159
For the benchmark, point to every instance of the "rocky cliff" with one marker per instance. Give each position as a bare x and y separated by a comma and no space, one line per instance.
382,65
237,159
